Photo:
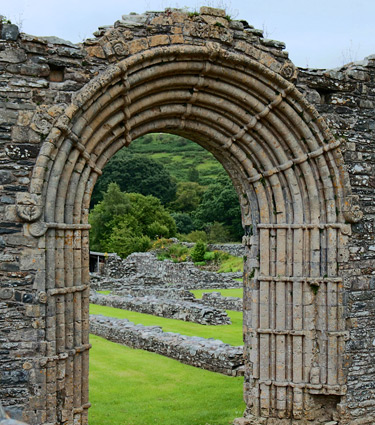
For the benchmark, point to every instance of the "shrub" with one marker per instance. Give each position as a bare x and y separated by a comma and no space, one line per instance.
196,235
161,243
209,256
124,242
197,254
157,229
218,233
177,250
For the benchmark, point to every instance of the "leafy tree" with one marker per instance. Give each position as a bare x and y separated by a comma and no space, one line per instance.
218,233
123,241
196,236
126,222
193,175
107,215
151,215
184,222
188,197
220,203
136,173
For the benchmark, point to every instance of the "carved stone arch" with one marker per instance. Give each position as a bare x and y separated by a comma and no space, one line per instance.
294,195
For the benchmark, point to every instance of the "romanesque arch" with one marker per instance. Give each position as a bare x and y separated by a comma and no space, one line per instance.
242,105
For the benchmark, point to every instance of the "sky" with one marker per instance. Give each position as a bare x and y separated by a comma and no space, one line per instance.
317,33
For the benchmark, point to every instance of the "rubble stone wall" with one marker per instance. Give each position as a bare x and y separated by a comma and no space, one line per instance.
173,309
345,97
213,355
234,249
215,299
159,292
144,267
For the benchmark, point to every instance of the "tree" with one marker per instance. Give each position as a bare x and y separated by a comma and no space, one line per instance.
136,173
106,216
188,197
184,222
126,222
124,241
218,233
193,175
220,203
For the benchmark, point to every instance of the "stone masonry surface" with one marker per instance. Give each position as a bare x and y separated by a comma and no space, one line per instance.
145,267
210,354
215,299
164,307
345,97
159,292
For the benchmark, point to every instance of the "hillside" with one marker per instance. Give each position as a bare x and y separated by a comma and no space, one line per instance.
189,182
181,157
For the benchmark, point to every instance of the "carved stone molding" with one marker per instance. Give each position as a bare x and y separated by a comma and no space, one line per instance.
29,206
38,229
352,211
289,72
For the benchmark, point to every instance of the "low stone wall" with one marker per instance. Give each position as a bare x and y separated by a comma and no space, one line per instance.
236,249
173,309
159,292
104,283
216,300
145,268
204,353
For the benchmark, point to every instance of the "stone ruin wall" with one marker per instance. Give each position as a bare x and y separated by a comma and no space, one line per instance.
205,353
146,268
157,291
235,249
37,81
215,299
346,99
164,307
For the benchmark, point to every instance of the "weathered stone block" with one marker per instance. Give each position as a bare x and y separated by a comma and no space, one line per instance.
25,134
34,70
204,10
13,55
6,177
9,32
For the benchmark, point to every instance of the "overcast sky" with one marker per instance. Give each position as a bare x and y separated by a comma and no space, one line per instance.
317,33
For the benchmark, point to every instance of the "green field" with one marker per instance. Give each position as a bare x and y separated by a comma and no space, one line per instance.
230,334
232,292
231,264
135,387
174,151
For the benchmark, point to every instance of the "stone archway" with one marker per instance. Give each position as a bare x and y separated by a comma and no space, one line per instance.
295,198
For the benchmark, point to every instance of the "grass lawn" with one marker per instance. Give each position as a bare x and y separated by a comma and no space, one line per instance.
135,387
231,334
232,264
232,292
